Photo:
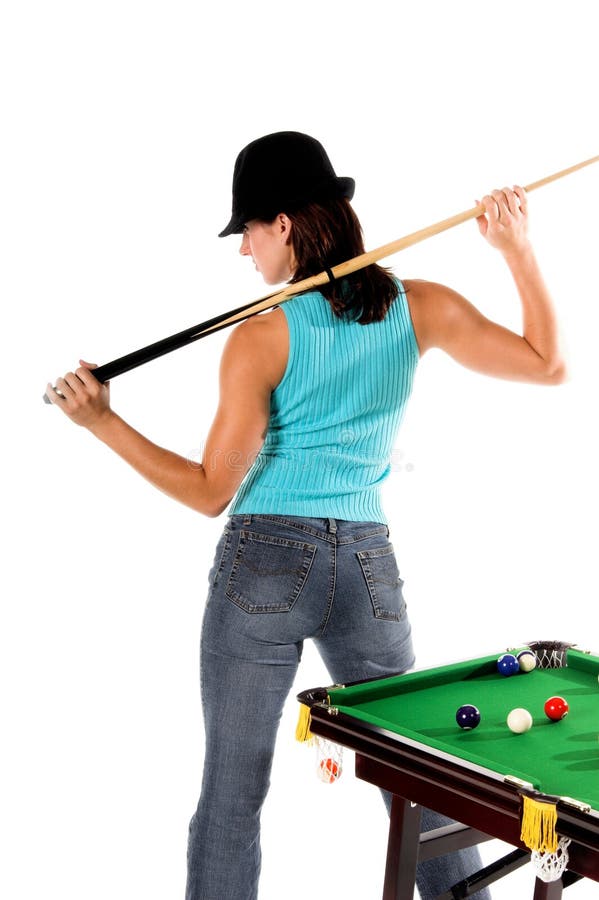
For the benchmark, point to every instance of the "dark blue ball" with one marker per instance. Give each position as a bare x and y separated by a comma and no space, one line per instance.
467,716
508,664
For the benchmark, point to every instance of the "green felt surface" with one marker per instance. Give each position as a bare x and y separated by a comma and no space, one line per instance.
560,758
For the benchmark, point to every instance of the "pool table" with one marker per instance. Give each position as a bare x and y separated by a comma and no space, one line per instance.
406,740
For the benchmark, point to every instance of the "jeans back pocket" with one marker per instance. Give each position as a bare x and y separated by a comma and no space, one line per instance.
381,574
268,572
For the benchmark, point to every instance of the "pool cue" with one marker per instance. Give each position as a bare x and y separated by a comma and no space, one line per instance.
182,338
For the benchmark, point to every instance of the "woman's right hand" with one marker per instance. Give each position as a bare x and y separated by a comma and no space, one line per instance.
81,397
504,223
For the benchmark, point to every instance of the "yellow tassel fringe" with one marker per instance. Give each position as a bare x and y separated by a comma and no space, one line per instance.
302,732
538,826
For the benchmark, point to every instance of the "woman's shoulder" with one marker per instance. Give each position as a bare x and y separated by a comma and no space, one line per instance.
430,303
263,342
417,288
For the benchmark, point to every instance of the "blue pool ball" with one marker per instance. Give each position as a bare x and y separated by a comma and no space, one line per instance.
467,716
508,664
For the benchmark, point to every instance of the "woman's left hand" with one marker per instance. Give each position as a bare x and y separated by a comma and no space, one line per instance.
505,221
81,397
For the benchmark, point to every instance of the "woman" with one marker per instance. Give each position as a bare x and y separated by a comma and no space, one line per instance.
311,396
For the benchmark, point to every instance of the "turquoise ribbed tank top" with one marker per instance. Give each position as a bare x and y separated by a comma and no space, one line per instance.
334,416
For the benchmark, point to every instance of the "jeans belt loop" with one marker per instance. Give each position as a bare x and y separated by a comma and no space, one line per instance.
247,520
332,526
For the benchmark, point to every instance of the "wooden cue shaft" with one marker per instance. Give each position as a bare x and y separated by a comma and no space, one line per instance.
182,338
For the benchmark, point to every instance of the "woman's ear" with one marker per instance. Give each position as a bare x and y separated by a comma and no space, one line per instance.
284,226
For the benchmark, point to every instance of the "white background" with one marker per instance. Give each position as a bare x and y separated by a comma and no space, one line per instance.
121,125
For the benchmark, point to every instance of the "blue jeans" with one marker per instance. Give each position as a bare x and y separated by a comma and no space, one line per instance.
275,582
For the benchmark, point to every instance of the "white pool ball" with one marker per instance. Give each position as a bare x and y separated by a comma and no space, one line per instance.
527,660
519,720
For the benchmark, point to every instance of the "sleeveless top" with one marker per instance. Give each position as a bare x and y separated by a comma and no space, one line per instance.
334,415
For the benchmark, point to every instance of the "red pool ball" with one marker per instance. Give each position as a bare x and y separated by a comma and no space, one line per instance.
329,771
556,708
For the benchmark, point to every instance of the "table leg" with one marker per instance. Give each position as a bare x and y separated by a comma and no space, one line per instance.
548,890
402,850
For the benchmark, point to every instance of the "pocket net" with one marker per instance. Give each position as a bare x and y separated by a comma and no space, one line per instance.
550,654
551,866
329,760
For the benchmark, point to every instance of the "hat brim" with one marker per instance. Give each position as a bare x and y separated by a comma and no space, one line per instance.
344,187
235,226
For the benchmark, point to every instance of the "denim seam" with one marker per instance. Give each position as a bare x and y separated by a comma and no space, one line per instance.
331,597
223,556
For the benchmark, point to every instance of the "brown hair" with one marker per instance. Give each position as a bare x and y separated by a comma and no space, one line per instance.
326,234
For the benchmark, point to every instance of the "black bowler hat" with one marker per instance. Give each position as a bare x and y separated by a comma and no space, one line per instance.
282,172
